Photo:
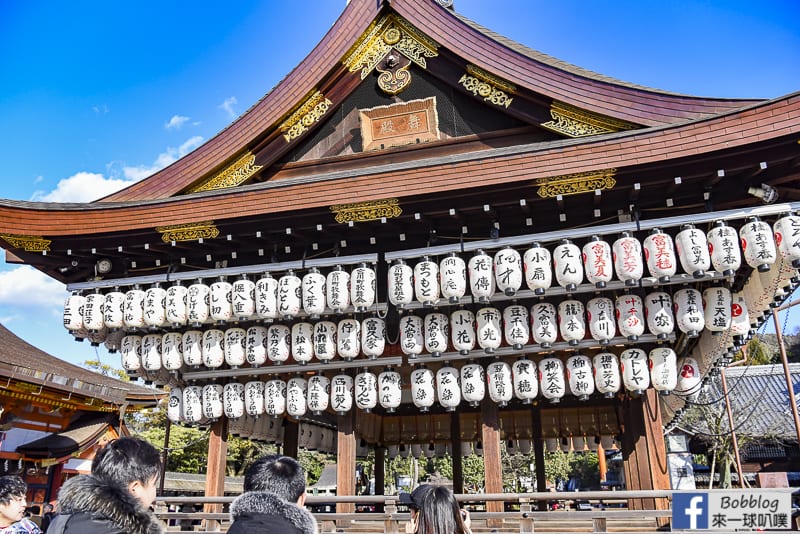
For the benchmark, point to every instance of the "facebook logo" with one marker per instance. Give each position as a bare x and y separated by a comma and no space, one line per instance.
690,511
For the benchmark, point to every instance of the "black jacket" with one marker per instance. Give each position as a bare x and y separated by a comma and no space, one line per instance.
264,513
89,505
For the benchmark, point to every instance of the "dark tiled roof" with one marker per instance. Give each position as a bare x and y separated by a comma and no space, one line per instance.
80,434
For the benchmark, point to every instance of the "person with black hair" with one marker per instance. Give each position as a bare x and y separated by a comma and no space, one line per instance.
13,503
48,515
435,510
274,499
116,497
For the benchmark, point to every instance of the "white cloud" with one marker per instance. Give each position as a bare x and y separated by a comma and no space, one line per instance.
176,122
172,154
101,109
228,104
25,287
82,187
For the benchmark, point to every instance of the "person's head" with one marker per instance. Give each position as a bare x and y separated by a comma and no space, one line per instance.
12,499
48,508
435,510
131,463
277,474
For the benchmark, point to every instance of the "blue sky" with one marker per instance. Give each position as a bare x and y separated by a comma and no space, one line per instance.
96,94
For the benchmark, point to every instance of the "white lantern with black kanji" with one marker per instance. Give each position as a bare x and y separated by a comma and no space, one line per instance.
758,244
96,337
500,383
213,348
254,397
473,383
114,310
400,289
689,377
93,311
537,262
243,298
551,379
629,310
175,405
508,271
568,265
348,339
373,337
628,263
171,351
481,278
197,303
366,390
337,289
233,400
290,295
267,298
389,390
659,251
692,247
422,388
235,346
516,326
314,293
601,318
275,397
658,311
544,324
598,261
134,308
787,238
607,378
580,376
155,312
689,314
635,370
256,346
325,340
130,351
426,281
412,337
220,308
302,342
278,343
453,277
192,344
663,369
175,305
526,380
723,245
151,352
342,394
436,332
212,401
717,308
571,321
489,332
462,330
319,390
362,287
448,389
740,318
296,396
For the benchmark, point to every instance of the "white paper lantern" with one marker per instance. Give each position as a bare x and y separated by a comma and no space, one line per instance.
366,391
412,340
296,397
342,394
278,343
537,263
155,312
114,310
580,376
607,378
197,303
235,340
337,289
629,310
628,263
551,379
319,390
598,261
389,390
489,332
659,251
663,369
254,397
436,332
192,408
290,295
175,305
568,265
526,380
422,388
448,389
481,278
213,348
426,281
571,321
151,352
508,271
453,277
689,314
130,350
325,340
175,405
693,253
113,340
601,318
462,330
723,245
267,298
93,311
373,337
544,324
256,346
401,284
689,376
243,298
758,244
362,287
787,238
635,372
96,337
658,310
516,326
499,382
220,308
171,351
717,308
348,339
275,397
740,318
314,293
473,384
134,308
302,344
233,400
212,401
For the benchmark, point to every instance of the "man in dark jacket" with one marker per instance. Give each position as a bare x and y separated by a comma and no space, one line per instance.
274,498
115,498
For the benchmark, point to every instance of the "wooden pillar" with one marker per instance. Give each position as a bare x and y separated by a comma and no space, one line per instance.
538,452
492,465
380,470
56,479
291,437
345,464
455,446
215,475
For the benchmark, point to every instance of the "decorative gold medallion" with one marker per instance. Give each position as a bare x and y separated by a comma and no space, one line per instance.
371,210
310,112
28,243
188,232
573,184
573,121
237,173
485,85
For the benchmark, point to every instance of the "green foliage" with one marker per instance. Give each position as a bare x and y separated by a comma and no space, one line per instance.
242,453
474,476
106,369
313,463
557,466
758,353
188,447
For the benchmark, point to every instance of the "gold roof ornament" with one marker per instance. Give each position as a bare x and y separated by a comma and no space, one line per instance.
237,173
188,231
573,184
371,210
306,115
573,121
486,85
28,243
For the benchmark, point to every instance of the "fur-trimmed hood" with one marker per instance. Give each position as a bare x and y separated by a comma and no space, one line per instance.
251,506
104,502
